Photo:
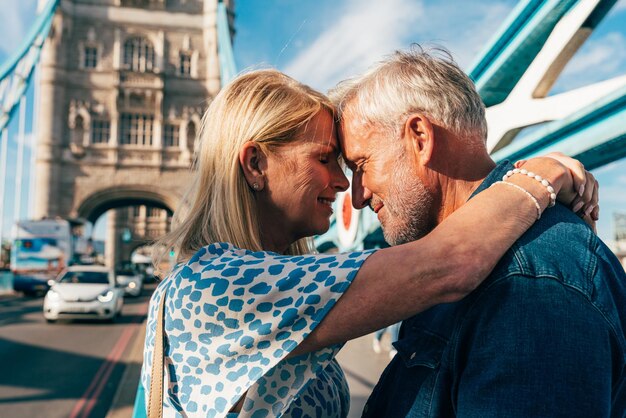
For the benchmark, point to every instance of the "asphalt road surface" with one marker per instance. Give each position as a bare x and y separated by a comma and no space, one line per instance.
73,369
65,369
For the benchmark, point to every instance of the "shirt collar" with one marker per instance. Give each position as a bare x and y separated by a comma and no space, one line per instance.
495,175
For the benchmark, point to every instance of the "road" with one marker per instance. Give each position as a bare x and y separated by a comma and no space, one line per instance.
72,369
66,369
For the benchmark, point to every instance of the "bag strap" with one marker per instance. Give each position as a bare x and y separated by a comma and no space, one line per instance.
155,405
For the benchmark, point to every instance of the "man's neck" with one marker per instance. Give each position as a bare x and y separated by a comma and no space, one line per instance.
456,189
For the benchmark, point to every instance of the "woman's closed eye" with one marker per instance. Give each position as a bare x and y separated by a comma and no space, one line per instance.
330,157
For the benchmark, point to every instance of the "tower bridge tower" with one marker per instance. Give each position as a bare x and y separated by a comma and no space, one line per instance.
123,85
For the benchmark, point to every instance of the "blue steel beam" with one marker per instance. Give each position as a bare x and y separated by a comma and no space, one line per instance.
505,59
596,135
16,72
228,69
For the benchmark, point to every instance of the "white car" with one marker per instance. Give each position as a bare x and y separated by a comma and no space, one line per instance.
83,292
129,280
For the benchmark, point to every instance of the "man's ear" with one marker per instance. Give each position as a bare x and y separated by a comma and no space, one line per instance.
253,162
421,136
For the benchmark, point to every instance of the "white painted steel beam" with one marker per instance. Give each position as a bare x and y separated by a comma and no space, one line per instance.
527,104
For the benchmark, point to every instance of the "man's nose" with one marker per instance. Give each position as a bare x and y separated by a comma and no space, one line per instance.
361,195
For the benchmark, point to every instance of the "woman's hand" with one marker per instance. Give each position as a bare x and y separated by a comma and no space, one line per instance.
575,186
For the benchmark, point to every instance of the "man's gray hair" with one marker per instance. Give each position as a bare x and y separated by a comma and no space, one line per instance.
417,80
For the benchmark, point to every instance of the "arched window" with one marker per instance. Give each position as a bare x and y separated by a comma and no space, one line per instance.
79,131
191,136
184,63
138,55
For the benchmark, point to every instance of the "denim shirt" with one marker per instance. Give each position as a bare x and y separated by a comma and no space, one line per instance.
543,336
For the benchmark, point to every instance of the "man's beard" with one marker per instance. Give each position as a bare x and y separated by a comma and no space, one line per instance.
408,207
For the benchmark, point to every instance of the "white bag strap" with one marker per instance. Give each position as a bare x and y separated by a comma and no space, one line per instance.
155,405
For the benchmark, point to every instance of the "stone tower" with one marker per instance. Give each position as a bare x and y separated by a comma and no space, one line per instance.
123,87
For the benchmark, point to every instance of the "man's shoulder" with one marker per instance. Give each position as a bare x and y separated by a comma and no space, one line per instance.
562,247
558,260
561,251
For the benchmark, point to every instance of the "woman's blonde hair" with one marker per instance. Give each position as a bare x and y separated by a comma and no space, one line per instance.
263,106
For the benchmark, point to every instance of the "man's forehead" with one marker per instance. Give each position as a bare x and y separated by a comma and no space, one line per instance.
350,139
351,121
355,134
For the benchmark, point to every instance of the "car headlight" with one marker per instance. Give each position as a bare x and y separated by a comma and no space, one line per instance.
106,296
52,295
132,285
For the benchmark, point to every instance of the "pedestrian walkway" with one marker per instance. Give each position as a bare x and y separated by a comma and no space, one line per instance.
362,368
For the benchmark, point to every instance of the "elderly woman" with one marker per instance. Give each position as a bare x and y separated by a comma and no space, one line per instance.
249,320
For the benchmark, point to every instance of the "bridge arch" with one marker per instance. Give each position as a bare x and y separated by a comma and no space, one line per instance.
96,204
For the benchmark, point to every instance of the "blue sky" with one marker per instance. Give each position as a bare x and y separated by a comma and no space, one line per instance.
321,42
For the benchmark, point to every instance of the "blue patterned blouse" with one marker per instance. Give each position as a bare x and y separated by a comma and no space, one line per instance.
231,318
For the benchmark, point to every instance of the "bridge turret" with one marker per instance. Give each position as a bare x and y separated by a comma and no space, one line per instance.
123,87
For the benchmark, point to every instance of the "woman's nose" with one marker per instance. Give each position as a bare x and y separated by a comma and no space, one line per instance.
340,181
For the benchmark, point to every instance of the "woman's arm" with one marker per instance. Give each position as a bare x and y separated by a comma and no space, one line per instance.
398,282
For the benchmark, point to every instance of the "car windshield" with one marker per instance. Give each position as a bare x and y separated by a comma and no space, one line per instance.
86,277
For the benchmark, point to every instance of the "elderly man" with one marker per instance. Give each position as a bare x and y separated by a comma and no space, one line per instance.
545,334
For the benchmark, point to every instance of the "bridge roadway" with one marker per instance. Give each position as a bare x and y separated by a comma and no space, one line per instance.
73,369
65,369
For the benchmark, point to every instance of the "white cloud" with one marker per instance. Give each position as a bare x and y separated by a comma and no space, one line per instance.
599,59
11,24
463,30
620,5
604,55
361,35
365,32
29,138
14,24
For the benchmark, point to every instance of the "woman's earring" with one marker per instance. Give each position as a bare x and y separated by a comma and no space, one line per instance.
255,186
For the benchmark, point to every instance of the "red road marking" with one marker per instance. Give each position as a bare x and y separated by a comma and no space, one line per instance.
122,342
89,398
96,385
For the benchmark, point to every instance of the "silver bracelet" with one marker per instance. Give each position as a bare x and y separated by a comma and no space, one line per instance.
526,192
545,183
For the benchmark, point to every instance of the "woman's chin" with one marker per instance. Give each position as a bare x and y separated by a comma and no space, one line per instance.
319,228
323,227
